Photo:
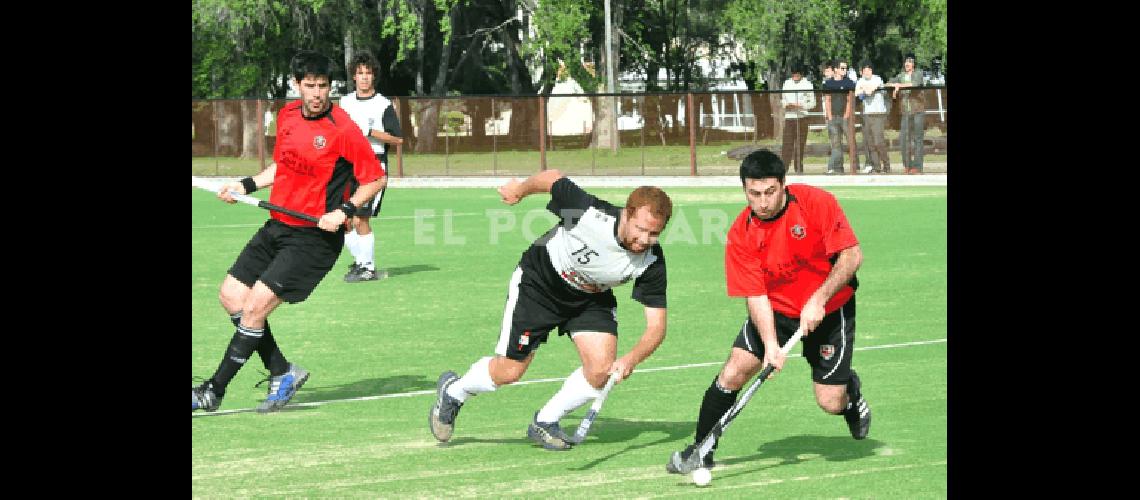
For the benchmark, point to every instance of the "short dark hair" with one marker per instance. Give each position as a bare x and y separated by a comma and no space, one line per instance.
866,63
760,164
308,62
364,58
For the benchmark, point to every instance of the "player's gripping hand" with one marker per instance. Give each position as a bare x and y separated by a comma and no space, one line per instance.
232,187
332,220
775,357
811,315
511,192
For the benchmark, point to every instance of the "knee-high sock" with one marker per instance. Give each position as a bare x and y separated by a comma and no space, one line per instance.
716,403
350,241
271,355
477,380
365,249
576,391
241,346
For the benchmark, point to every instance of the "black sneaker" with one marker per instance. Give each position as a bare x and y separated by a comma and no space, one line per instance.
365,274
858,415
441,418
548,435
678,462
353,269
203,397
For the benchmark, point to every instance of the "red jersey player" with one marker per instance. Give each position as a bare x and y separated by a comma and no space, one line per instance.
318,156
792,255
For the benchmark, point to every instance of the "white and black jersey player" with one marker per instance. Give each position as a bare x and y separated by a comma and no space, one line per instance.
376,117
564,281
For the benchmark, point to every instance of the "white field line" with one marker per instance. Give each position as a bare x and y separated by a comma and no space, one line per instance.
536,381
382,217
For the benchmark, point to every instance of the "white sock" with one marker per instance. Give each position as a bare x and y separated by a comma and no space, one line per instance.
364,249
350,243
575,392
477,380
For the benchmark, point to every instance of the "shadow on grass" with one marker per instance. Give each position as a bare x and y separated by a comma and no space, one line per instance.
616,430
361,388
397,271
798,449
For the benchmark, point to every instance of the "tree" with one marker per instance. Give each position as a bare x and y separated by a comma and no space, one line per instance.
777,34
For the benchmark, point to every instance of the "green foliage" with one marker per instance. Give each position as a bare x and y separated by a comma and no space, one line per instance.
776,34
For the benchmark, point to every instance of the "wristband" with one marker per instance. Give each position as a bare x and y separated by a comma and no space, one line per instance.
348,208
249,185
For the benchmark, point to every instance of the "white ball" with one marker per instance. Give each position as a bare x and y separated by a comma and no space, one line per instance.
702,477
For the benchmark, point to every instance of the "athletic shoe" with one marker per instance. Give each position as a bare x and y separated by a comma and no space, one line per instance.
282,388
203,397
678,462
858,415
550,436
834,172
441,418
352,270
365,274
867,169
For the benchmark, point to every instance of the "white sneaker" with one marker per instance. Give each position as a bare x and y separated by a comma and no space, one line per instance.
867,169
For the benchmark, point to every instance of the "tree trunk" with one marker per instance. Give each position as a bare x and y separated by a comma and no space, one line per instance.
348,69
202,119
249,135
775,103
228,116
429,120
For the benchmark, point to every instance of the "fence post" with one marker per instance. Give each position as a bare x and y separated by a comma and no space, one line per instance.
260,136
400,147
692,135
214,116
851,135
542,132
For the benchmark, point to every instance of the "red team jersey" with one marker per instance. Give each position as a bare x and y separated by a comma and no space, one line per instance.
788,258
316,161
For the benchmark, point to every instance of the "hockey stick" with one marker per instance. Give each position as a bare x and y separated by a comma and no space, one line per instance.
696,460
584,426
249,200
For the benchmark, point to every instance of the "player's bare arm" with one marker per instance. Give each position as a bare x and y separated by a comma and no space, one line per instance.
514,191
332,220
845,266
262,179
386,137
760,311
652,337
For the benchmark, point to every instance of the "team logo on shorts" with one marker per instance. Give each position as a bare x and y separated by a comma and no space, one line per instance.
524,339
798,232
319,142
826,351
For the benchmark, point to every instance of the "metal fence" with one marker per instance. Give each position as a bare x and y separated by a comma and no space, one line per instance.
698,133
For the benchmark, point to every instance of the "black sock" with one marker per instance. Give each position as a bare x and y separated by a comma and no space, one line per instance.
854,392
241,347
716,403
271,356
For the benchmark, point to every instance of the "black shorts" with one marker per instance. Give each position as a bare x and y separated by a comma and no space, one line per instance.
531,312
291,261
828,349
371,208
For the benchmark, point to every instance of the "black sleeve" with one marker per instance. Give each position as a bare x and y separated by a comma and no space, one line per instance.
649,288
565,196
391,122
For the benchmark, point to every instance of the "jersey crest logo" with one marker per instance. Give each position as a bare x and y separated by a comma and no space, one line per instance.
319,142
826,351
798,232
